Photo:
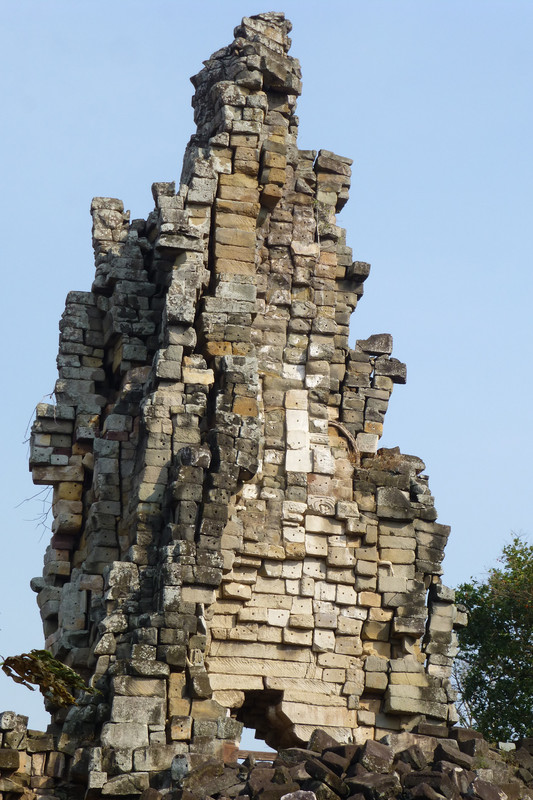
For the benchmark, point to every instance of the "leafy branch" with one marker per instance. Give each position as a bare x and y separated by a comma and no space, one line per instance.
494,669
55,680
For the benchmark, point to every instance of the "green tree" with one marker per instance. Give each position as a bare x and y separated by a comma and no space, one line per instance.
494,667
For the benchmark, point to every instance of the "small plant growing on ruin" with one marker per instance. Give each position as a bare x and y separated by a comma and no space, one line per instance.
55,680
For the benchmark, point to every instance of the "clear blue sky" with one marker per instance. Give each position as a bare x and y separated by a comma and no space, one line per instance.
431,99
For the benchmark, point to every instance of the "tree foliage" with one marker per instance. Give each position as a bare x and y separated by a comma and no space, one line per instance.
494,668
56,681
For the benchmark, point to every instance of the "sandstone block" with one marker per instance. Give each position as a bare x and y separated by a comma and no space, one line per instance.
125,735
180,728
178,703
131,709
131,784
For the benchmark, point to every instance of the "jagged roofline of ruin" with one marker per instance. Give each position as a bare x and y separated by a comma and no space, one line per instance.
229,545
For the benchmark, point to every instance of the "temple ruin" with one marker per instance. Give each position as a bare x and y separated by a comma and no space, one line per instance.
230,546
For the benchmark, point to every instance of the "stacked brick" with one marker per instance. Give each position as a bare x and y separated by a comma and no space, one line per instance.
229,545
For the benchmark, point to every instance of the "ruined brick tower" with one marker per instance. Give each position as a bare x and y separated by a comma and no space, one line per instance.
229,545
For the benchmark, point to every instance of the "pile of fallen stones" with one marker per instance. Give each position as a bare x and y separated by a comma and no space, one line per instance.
462,765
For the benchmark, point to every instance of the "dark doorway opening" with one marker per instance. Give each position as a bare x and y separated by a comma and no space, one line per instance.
262,712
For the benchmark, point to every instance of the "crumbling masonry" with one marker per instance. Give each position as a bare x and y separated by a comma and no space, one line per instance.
229,545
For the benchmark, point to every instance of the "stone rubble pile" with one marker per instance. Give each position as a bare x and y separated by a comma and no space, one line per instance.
433,765
229,545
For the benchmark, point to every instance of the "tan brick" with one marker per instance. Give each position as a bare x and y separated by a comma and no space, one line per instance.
47,475
242,633
373,427
270,586
237,590
243,140
246,166
409,678
217,349
253,614
335,660
237,181
180,728
245,406
297,637
69,491
369,599
178,704
272,194
273,175
236,207
226,266
380,614
348,645
348,626
270,601
334,675
319,715
197,594
379,631
244,193
301,621
398,556
233,253
268,634
376,681
238,682
229,698
238,221
373,648
274,160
